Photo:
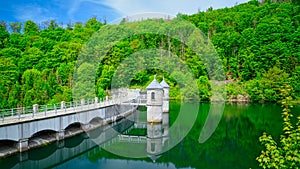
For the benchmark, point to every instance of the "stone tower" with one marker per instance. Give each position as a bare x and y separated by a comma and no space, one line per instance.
154,102
166,97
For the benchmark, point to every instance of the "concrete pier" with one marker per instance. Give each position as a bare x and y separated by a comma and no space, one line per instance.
22,145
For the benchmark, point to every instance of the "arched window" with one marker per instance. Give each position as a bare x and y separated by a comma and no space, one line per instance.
153,147
152,96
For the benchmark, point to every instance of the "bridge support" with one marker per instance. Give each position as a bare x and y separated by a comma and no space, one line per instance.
23,156
22,145
86,127
60,144
60,135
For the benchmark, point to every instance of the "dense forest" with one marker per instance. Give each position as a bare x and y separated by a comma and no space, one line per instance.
258,43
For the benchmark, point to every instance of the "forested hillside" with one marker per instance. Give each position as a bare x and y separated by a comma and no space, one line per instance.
259,44
37,62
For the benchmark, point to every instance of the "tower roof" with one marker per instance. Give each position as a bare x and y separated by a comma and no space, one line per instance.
164,84
154,85
153,157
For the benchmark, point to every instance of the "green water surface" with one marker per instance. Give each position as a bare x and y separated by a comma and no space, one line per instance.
234,143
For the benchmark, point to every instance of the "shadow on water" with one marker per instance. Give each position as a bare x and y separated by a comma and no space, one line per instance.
35,154
10,161
75,141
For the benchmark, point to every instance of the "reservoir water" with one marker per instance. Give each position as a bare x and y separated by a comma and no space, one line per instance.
233,144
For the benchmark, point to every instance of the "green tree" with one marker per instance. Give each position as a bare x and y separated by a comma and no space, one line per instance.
3,35
15,27
284,154
34,88
30,27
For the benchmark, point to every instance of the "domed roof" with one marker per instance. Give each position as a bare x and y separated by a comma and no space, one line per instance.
154,85
164,84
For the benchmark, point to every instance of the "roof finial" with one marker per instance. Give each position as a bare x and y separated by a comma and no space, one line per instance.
155,77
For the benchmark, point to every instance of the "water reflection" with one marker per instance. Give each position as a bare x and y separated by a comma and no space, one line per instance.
234,144
157,136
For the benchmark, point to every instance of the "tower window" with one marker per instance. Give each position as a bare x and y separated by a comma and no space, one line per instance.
153,147
152,96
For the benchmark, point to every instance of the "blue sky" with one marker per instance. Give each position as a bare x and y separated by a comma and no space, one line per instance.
80,10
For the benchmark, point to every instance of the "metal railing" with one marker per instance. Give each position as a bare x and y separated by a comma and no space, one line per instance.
48,110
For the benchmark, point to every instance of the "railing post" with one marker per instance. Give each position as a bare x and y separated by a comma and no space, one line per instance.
46,110
2,116
63,105
82,103
12,112
35,109
55,109
19,114
96,101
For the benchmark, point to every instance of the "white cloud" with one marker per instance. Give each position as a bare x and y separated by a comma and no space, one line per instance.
70,9
98,5
33,12
172,7
128,7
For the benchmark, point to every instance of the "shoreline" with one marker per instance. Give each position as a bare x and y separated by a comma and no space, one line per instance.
294,102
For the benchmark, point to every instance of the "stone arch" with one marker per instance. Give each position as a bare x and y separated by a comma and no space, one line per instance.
43,132
97,121
8,143
74,125
41,138
73,128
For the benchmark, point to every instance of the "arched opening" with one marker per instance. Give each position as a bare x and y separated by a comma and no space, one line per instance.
9,146
42,138
152,96
73,129
97,121
96,129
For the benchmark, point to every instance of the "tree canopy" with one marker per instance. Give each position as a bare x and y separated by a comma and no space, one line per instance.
258,43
